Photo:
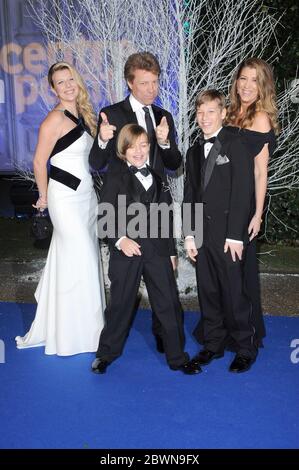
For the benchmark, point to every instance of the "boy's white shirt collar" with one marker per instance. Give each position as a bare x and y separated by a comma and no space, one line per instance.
139,168
213,135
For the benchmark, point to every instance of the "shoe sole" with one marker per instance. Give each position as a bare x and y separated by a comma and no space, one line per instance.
240,371
194,373
95,371
200,363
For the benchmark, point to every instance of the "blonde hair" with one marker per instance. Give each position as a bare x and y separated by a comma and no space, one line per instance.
127,137
266,100
83,102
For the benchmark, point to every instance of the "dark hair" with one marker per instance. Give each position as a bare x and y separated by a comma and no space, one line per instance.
127,137
142,61
210,95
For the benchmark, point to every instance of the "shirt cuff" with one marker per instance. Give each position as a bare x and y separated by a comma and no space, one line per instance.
117,244
234,241
189,242
165,146
102,144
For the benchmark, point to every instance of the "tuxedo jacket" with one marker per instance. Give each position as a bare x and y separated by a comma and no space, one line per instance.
224,184
120,114
119,181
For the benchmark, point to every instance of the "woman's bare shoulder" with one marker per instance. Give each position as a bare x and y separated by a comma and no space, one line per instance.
53,122
261,122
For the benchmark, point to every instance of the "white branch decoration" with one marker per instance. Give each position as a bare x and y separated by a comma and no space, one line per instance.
199,44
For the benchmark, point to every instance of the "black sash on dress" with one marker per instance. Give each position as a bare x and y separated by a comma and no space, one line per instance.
64,177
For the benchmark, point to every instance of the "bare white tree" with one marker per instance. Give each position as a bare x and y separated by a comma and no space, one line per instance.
199,44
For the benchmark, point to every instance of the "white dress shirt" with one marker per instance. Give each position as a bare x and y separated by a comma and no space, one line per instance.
209,145
146,182
137,108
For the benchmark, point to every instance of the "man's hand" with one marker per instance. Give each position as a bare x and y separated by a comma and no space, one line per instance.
236,250
162,131
130,247
106,131
191,249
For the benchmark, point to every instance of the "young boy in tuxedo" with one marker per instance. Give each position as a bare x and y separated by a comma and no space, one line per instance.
219,174
128,182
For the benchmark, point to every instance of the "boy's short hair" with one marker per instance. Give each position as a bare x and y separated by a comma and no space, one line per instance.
210,95
127,137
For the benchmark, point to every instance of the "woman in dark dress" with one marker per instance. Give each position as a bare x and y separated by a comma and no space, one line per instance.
253,114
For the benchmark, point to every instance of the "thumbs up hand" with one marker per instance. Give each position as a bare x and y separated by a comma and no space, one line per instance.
106,131
162,131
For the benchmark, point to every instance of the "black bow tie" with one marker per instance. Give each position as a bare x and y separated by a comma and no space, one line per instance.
144,171
211,140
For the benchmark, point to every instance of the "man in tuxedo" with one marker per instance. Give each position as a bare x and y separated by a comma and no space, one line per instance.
141,72
135,254
219,174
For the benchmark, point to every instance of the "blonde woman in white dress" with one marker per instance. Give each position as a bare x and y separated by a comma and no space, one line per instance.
70,294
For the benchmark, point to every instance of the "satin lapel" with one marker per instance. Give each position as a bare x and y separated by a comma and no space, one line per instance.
153,154
214,152
157,113
130,116
196,165
157,186
134,187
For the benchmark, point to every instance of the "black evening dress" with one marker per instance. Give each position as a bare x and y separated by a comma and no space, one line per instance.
255,142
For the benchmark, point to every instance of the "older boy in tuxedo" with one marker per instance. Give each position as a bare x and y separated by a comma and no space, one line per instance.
136,255
219,174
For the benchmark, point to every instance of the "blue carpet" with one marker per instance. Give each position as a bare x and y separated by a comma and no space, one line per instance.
55,402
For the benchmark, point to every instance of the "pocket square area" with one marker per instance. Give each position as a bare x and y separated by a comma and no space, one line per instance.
221,160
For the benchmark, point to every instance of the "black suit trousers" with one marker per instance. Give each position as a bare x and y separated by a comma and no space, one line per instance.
225,307
125,275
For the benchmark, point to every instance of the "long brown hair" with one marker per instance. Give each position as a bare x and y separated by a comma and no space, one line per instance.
83,102
266,100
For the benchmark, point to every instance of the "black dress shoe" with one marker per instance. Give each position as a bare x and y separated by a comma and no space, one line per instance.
189,368
241,364
205,356
159,344
99,366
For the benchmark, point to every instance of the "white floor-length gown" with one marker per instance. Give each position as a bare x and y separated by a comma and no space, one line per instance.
70,293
